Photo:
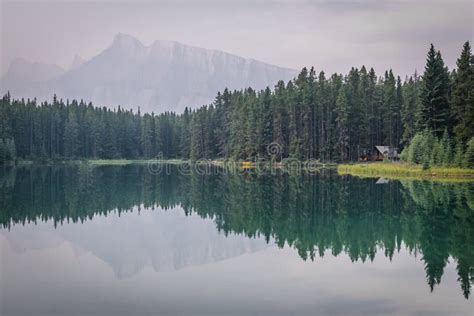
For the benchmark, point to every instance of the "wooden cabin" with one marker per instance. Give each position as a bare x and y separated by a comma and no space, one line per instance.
379,153
385,152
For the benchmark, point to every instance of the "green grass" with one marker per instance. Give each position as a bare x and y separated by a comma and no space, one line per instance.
108,162
405,171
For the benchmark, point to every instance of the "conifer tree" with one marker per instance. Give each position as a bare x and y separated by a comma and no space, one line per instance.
410,109
390,110
469,155
446,148
280,119
463,95
341,125
185,136
71,136
3,151
266,123
434,114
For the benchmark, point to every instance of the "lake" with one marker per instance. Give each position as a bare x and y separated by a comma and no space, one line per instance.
124,240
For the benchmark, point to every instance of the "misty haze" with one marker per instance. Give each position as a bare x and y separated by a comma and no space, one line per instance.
236,157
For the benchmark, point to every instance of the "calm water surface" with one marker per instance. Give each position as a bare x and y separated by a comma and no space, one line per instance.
121,241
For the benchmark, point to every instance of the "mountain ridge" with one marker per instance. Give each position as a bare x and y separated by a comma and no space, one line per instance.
163,76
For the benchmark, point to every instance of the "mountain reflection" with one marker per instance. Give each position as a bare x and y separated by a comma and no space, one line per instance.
312,213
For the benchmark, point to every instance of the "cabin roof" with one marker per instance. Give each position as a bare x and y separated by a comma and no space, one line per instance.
383,149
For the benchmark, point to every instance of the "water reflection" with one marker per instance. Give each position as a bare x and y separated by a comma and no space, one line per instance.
316,215
164,241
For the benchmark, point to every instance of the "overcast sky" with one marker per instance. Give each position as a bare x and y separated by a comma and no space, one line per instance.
331,35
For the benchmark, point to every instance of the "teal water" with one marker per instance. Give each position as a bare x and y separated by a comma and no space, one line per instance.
119,240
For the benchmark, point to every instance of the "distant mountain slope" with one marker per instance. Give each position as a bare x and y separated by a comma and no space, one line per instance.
21,70
25,78
76,62
163,76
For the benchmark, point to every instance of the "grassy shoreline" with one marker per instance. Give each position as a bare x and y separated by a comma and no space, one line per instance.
390,170
395,170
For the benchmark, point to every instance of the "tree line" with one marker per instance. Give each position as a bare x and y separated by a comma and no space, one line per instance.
312,214
428,150
330,118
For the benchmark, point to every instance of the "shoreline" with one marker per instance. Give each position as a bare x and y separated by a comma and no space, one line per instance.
390,170
404,171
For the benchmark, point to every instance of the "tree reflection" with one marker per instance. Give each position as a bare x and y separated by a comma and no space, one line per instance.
310,213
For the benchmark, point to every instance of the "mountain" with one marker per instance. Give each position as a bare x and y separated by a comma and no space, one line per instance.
21,70
163,76
25,78
76,62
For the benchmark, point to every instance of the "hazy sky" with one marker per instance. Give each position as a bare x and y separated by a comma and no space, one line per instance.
331,35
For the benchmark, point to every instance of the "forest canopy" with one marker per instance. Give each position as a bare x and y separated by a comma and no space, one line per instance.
315,116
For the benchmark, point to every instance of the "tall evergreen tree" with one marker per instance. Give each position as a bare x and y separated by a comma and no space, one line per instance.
71,136
434,114
410,108
463,95
280,119
342,113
